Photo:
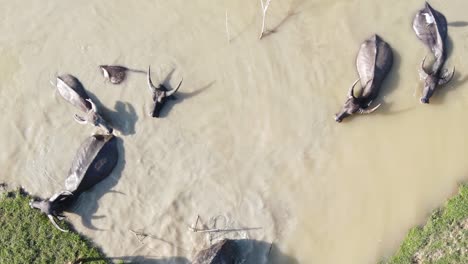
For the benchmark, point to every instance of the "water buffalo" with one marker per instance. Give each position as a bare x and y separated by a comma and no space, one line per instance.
73,91
116,74
430,27
94,161
160,95
223,252
374,61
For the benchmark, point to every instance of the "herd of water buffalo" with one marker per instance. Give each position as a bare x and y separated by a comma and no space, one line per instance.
375,59
98,155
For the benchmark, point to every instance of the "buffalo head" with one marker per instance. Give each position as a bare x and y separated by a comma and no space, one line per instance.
53,206
354,105
432,80
160,95
94,118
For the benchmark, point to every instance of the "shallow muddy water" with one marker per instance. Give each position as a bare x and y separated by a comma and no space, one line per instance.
251,141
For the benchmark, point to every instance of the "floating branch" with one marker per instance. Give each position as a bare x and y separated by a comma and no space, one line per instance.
227,29
144,235
264,10
215,230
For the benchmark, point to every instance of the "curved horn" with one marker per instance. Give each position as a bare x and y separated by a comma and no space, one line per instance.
51,218
351,90
150,83
57,195
80,119
422,71
447,78
368,111
93,106
173,91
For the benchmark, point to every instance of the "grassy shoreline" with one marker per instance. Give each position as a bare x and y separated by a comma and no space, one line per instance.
443,239
27,236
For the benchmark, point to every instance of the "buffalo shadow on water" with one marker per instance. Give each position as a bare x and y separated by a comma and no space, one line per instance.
458,24
87,203
254,251
292,12
247,251
123,118
180,96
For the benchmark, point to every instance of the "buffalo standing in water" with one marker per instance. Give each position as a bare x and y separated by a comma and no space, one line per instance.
73,91
374,61
94,161
160,95
431,28
223,252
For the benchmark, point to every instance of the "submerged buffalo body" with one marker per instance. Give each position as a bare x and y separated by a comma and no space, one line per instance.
94,161
223,252
430,27
374,61
71,89
160,95
116,74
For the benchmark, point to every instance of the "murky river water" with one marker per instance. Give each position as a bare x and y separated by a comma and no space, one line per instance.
251,140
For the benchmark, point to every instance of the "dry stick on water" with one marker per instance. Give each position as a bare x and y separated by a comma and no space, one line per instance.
269,251
197,230
144,235
227,29
264,10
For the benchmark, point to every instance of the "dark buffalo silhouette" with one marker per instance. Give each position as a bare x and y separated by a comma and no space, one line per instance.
72,90
160,95
94,161
373,62
430,27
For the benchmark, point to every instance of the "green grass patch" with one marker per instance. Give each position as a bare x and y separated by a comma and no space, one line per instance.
27,236
444,238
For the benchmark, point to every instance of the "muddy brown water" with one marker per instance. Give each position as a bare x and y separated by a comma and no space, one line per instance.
251,140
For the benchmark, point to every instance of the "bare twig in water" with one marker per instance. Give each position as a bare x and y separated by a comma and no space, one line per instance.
269,251
227,28
138,235
264,10
215,230
144,235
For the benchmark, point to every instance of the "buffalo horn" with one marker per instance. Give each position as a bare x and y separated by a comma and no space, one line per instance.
423,72
351,90
57,195
80,119
51,218
368,111
173,91
93,106
150,83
